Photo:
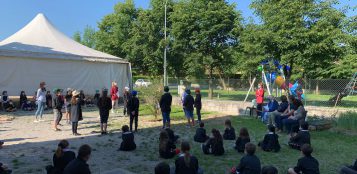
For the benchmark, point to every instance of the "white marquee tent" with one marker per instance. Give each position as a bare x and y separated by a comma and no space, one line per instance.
39,52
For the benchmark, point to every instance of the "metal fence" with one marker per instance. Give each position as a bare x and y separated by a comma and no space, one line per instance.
320,93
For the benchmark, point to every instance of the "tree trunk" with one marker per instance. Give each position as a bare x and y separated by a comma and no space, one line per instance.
222,82
210,87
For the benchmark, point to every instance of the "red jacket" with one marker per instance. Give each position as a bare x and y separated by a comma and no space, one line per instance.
259,94
113,92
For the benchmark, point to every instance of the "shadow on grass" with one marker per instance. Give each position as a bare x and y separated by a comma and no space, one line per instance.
331,149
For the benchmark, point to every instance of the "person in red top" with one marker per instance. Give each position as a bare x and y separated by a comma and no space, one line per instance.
114,95
259,95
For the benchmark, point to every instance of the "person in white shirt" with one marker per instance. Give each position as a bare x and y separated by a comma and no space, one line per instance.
40,101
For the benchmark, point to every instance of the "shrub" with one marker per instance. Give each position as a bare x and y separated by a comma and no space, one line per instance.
151,96
347,120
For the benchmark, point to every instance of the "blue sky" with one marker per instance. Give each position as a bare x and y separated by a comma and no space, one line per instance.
70,16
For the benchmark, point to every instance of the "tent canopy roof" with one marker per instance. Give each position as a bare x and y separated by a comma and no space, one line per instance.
40,39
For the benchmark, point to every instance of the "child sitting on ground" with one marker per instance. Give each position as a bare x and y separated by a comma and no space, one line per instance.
173,138
167,148
4,169
306,164
269,170
200,135
187,163
229,132
162,168
349,169
214,145
301,138
271,141
248,163
62,157
128,143
242,140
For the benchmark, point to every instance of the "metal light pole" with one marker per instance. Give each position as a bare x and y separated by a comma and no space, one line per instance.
165,62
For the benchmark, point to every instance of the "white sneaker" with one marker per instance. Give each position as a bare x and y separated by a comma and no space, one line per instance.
42,120
36,121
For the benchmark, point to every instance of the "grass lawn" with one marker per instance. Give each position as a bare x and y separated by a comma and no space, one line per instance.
332,149
311,99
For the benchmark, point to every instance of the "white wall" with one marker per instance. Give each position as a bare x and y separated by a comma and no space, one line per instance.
17,74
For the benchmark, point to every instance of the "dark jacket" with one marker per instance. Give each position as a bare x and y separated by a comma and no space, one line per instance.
128,143
172,136
58,102
249,164
168,151
200,135
198,102
229,134
354,167
283,106
76,112
60,163
270,143
182,168
133,104
307,165
303,137
165,102
77,166
104,105
23,99
240,143
189,102
126,98
215,147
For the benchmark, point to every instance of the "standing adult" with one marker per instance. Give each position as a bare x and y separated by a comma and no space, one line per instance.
126,98
75,112
133,109
104,105
165,105
188,107
67,105
198,104
57,108
114,93
259,95
40,101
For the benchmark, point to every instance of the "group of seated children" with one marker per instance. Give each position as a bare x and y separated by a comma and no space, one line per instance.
25,104
65,161
186,163
7,104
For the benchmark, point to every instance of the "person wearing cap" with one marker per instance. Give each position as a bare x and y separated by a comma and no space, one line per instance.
40,101
75,112
126,97
67,102
198,104
165,105
58,104
114,93
133,109
188,104
104,105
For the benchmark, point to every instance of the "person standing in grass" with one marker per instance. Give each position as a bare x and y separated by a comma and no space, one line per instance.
133,109
165,105
40,101
126,98
259,96
114,93
104,105
198,104
57,108
188,104
306,164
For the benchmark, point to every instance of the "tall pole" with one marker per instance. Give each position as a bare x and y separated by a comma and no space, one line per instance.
165,62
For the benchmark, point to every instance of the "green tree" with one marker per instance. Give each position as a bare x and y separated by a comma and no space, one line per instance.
89,39
77,37
115,29
203,29
303,34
